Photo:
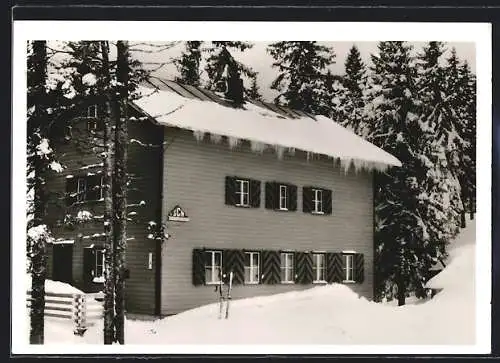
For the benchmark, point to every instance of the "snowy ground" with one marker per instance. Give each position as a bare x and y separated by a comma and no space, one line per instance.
330,314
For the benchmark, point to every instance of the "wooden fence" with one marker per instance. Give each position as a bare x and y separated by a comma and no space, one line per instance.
83,310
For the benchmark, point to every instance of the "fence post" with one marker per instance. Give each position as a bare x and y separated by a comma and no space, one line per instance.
79,314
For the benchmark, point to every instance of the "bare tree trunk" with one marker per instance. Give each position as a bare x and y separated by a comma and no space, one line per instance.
108,166
39,260
120,189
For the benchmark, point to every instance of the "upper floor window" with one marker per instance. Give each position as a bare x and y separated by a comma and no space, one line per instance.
84,188
213,266
283,197
81,190
92,111
318,201
99,265
242,192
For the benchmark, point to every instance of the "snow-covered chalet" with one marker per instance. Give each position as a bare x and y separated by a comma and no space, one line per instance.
282,198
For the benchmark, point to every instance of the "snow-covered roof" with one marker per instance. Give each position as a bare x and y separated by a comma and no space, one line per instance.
205,112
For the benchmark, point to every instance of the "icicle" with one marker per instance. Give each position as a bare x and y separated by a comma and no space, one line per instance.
291,151
345,165
280,151
233,142
257,146
215,138
308,156
198,135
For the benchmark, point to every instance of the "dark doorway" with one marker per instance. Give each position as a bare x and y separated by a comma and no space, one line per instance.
62,269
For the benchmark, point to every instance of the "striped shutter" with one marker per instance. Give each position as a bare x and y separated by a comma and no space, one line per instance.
71,187
292,204
327,201
307,199
359,268
230,190
270,267
304,268
254,193
234,260
271,195
334,269
198,267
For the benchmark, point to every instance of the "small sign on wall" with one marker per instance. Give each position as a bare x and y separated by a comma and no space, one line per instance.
177,214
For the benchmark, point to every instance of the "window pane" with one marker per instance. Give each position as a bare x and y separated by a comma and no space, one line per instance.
255,258
283,274
247,274
218,259
256,274
283,260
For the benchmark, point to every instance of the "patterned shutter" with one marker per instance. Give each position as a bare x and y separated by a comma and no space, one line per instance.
255,193
230,190
359,268
71,187
327,201
304,268
198,267
234,260
334,269
271,196
270,267
292,204
307,205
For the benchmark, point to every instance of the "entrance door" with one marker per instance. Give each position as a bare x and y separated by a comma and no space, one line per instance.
62,269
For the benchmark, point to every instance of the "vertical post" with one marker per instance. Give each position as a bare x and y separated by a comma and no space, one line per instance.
79,314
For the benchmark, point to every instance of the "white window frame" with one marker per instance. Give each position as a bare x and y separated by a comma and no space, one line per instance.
348,267
89,113
99,273
289,269
318,201
81,193
317,270
101,186
240,192
215,279
283,197
252,268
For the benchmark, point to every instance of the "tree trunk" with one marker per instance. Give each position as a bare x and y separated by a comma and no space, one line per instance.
108,166
120,189
401,292
39,260
471,207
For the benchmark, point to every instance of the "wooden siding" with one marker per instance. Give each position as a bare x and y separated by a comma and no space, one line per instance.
194,177
144,166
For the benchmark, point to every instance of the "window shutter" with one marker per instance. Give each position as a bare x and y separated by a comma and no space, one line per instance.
359,268
327,201
230,190
198,267
304,268
255,193
234,260
334,269
93,187
270,267
71,186
271,197
292,204
88,265
307,205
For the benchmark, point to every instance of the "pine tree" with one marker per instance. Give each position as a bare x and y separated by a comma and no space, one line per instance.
188,64
394,127
350,94
302,68
253,92
222,67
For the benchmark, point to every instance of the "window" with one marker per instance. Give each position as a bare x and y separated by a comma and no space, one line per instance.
287,270
318,201
348,267
252,264
242,192
213,266
283,197
319,267
81,190
101,188
99,266
92,111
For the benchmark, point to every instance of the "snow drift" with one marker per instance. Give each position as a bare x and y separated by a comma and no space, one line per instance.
258,125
